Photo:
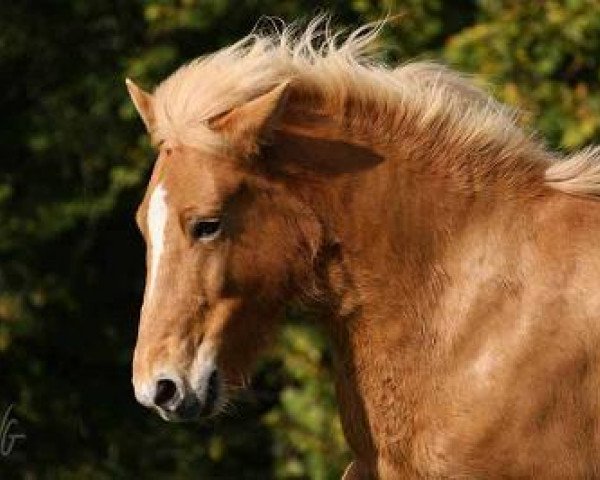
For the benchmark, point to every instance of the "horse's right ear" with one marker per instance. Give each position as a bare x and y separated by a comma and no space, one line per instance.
253,122
143,103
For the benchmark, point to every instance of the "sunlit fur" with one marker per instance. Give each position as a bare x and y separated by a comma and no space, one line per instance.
450,257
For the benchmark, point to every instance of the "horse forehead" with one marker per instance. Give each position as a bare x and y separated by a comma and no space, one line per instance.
193,185
187,179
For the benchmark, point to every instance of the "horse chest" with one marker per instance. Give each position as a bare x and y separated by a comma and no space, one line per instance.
377,413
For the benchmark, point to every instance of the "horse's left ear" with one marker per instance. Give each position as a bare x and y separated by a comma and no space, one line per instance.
143,103
253,122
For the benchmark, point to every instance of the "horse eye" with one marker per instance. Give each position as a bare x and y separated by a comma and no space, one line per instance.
205,229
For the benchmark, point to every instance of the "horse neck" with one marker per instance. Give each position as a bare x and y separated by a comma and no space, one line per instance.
390,211
392,204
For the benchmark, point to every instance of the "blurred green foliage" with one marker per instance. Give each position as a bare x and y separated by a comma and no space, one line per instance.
74,165
544,56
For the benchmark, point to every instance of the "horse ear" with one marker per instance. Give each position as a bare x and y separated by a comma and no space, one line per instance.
143,103
254,121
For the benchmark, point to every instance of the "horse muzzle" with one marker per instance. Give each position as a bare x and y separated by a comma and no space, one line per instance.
175,400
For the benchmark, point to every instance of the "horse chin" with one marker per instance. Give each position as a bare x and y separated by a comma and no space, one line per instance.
191,413
175,417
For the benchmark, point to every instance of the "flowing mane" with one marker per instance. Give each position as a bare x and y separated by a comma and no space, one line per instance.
456,283
426,95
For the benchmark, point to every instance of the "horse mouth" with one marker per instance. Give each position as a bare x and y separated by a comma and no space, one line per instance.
212,395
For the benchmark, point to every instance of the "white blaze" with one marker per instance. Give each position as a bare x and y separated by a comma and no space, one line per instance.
157,222
203,366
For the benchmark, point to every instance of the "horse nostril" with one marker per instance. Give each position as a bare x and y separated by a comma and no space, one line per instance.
166,393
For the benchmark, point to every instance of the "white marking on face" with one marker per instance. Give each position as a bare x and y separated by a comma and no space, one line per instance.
202,368
157,222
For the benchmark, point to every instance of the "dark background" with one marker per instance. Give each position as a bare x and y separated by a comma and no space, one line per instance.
73,166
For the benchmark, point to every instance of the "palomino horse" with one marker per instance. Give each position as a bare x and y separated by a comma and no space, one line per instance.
453,260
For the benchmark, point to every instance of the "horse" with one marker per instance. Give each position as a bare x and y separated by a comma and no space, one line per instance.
448,255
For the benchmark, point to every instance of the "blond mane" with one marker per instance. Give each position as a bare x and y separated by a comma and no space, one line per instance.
427,95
